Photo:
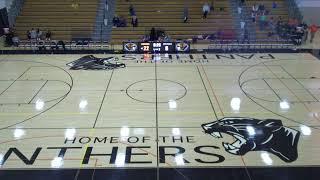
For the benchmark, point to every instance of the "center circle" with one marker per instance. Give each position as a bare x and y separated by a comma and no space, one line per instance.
156,91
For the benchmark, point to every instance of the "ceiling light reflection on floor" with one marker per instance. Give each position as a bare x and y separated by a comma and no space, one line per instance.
57,162
120,160
266,158
235,104
284,105
305,130
18,133
39,105
179,160
70,133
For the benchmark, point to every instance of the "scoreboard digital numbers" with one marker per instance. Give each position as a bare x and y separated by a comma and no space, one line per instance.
159,47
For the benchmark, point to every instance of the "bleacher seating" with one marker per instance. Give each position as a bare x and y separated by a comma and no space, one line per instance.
168,15
67,19
281,10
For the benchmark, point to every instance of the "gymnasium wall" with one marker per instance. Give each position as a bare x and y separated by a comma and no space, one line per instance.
310,10
5,4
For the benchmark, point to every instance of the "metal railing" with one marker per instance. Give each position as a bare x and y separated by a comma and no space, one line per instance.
251,44
69,45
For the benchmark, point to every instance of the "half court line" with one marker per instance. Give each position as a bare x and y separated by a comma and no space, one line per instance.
104,96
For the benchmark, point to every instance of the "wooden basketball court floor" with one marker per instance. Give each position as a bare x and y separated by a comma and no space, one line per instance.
197,116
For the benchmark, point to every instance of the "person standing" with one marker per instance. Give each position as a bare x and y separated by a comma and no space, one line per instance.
185,14
48,35
29,35
134,21
205,10
305,33
239,10
33,34
212,6
262,22
132,12
253,17
39,34
274,5
313,30
242,25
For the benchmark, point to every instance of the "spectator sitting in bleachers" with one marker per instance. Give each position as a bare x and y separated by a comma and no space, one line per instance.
122,22
167,39
255,8
116,21
48,35
39,34
153,34
15,40
261,8
28,35
145,38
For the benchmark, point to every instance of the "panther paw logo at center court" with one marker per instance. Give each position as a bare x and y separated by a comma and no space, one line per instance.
256,135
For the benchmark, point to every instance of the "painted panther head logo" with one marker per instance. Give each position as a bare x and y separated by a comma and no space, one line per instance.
256,135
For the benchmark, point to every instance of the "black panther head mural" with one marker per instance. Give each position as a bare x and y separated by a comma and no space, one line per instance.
256,135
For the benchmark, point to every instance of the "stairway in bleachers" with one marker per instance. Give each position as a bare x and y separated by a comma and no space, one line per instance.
67,19
168,15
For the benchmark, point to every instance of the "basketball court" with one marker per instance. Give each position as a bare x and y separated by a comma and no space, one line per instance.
229,116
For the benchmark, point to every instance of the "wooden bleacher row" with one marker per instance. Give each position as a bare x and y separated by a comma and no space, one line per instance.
65,22
168,15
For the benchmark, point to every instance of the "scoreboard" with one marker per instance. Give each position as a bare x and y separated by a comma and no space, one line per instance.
160,47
